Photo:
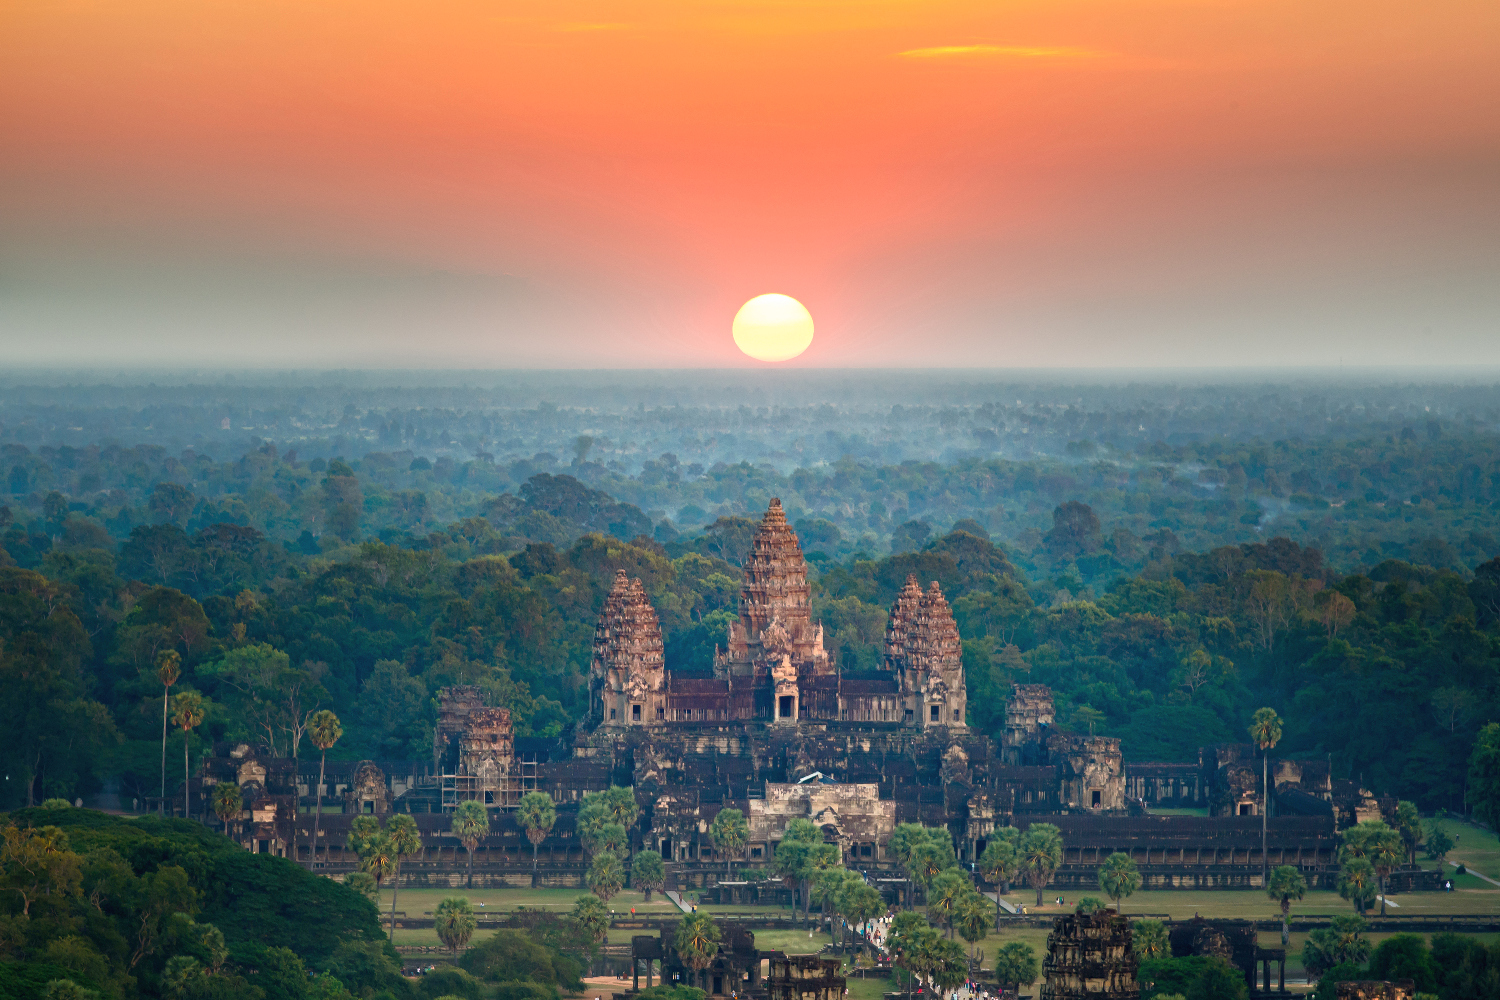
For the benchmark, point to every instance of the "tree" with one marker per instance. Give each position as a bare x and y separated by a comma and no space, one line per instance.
1041,851
697,940
1119,877
376,858
1409,825
931,859
1219,980
605,877
730,833
1265,732
910,941
1286,884
536,814
944,893
1087,717
647,873
859,903
905,839
227,801
187,714
948,966
1438,842
1016,965
1148,939
168,672
405,840
826,886
972,919
1341,943
1387,851
324,730
999,864
606,838
470,824
455,922
1483,791
591,917
364,884
800,855
1357,883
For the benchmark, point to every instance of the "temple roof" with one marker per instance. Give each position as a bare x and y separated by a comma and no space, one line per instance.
775,575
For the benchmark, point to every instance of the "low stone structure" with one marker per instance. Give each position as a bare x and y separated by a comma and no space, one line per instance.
853,816
804,977
1375,990
1089,957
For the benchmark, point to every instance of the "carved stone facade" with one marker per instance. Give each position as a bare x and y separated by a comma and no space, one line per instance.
368,793
1028,719
487,758
805,977
1090,772
627,676
853,816
1089,956
926,654
1375,990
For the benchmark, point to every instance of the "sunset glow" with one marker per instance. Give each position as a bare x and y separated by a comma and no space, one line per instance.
1112,182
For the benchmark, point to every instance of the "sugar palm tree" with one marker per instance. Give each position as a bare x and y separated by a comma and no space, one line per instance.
605,876
168,671
227,801
455,922
1265,731
1286,884
187,713
943,895
697,940
536,814
999,864
470,824
1041,851
972,919
378,860
1119,877
592,918
730,833
324,730
1387,851
405,840
1148,939
647,872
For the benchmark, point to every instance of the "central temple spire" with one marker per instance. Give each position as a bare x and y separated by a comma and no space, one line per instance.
775,576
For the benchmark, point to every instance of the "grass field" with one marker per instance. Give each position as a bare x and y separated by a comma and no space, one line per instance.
1474,847
1473,896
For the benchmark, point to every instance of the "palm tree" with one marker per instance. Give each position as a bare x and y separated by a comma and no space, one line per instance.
972,918
1148,939
1357,883
910,940
405,840
943,895
1265,731
187,712
1041,851
1285,885
1016,965
605,877
1119,877
1409,825
999,864
697,941
324,730
905,839
168,671
536,814
227,801
378,860
592,918
730,833
647,872
455,922
470,824
859,903
1387,851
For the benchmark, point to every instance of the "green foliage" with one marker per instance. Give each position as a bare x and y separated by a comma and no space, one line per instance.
450,981
1169,976
1357,883
591,917
1438,842
1119,877
1148,938
671,993
1041,851
455,922
1091,904
729,833
1016,965
1219,980
1484,776
1344,972
606,876
1340,944
1404,956
647,872
513,955
697,940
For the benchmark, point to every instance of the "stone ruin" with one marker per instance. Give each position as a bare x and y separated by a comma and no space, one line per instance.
804,977
1375,990
1089,957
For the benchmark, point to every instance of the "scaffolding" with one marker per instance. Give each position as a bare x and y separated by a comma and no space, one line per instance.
505,793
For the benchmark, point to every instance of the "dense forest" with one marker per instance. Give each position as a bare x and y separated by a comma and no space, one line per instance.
1165,589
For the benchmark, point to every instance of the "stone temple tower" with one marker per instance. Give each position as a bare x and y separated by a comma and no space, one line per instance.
775,641
924,652
627,676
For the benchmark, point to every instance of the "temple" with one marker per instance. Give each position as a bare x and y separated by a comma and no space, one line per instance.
776,729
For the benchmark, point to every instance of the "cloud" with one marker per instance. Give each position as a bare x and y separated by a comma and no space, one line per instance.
1003,51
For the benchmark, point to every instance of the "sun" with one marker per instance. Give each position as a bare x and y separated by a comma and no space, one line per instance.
773,328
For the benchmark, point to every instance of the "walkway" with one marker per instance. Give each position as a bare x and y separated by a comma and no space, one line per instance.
677,898
1471,871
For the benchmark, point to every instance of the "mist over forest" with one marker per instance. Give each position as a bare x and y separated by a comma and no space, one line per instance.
1167,555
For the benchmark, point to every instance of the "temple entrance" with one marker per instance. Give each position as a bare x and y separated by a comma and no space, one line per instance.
784,706
666,848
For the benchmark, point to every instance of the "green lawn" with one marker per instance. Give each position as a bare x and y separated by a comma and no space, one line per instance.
1475,848
1249,904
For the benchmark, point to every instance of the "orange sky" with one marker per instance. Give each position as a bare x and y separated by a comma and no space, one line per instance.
1120,183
